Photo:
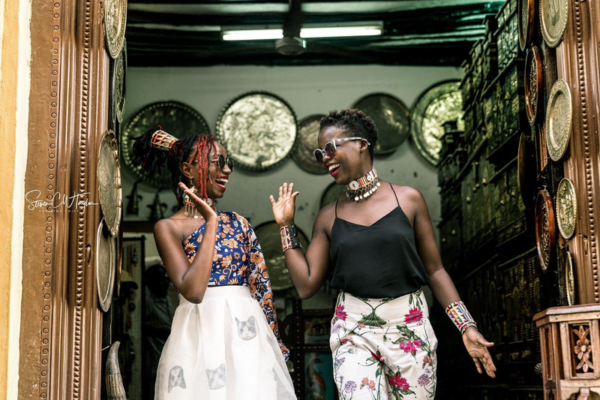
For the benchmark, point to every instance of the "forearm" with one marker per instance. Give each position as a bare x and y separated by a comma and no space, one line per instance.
299,270
195,280
443,288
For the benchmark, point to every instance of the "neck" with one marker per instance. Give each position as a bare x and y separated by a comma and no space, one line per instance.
363,187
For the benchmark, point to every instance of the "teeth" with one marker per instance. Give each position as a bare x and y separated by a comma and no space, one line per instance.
333,166
222,180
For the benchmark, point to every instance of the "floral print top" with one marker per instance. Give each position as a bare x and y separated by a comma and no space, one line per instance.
238,260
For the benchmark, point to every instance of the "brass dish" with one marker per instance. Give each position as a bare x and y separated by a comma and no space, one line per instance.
526,9
258,129
176,118
566,208
545,231
558,120
105,266
439,103
553,20
119,84
308,134
109,182
533,83
332,193
569,280
391,117
270,243
115,21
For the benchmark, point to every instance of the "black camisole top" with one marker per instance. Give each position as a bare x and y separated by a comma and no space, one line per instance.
379,260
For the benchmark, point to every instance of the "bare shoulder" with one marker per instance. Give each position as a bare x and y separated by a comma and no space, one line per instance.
164,227
409,193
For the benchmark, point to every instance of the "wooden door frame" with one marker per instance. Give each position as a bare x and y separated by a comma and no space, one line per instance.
60,320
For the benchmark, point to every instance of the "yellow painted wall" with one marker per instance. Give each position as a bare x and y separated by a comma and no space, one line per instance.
15,50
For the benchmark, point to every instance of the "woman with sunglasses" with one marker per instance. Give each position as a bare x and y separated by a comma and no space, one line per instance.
380,242
224,342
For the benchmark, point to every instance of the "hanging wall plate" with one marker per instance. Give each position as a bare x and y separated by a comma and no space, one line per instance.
566,208
119,83
559,116
391,117
440,103
553,20
533,83
109,182
570,280
332,193
115,21
270,242
308,134
258,129
176,118
526,9
105,266
545,231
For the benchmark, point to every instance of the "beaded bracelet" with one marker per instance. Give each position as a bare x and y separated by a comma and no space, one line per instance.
289,237
461,317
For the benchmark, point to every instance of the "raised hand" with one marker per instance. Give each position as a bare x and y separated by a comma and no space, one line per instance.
285,206
477,347
203,208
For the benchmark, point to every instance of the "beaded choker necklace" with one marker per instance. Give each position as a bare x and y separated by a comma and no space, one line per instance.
364,187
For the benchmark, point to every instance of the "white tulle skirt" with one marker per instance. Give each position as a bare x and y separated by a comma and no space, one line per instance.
222,349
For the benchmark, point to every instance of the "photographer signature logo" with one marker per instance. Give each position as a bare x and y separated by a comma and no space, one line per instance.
72,203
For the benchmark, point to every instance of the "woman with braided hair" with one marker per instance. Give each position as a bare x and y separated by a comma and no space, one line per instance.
224,342
380,242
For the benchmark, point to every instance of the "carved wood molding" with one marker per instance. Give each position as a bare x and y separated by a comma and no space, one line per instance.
577,61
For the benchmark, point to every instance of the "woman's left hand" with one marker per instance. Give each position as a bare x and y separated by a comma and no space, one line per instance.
477,347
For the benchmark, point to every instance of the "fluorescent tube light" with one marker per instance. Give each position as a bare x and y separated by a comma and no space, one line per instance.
307,32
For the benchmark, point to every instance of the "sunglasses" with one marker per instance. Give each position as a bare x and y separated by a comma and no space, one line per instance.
221,161
331,147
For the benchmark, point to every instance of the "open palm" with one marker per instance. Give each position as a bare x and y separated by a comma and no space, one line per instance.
285,206
477,347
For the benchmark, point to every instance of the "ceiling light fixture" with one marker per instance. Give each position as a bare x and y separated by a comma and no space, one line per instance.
372,29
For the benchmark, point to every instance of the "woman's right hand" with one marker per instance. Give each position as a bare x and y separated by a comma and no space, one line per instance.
285,206
203,208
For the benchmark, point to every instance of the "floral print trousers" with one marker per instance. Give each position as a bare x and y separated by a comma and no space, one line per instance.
383,349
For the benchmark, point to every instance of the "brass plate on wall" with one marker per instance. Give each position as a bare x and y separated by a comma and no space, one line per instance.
545,232
526,9
559,116
308,134
109,182
553,20
332,193
119,83
566,208
115,21
439,103
569,280
533,83
176,118
391,117
105,266
258,129
270,242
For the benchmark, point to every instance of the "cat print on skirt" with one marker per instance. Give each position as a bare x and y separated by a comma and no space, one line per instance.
383,349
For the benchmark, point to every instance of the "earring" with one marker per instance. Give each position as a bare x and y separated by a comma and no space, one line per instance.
190,207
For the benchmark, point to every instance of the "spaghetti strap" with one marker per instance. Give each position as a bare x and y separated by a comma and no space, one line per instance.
336,203
391,187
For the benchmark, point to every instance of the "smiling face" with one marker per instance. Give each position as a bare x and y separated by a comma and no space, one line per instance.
351,159
217,179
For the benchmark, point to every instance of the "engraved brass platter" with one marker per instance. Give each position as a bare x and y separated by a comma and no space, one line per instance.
569,279
270,243
119,85
109,182
258,129
545,232
308,134
115,21
176,118
440,103
553,20
105,266
533,83
332,193
391,117
526,10
559,116
566,208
